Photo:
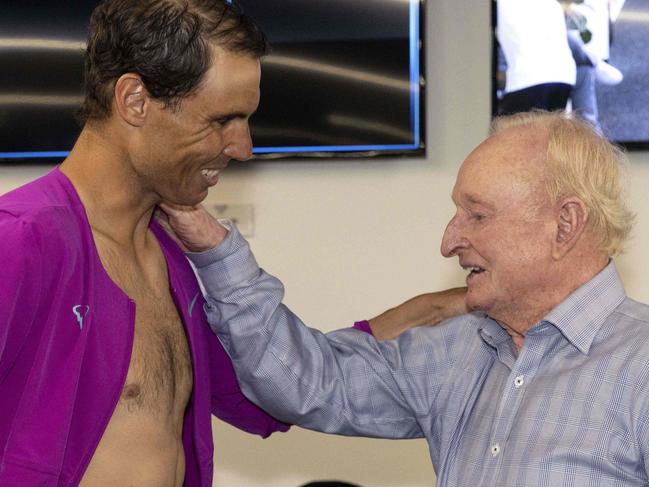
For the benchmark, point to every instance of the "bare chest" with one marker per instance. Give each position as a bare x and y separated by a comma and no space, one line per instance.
159,379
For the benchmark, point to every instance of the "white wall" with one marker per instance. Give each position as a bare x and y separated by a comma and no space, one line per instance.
350,238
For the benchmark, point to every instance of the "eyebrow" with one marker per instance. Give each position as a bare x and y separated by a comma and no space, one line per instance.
474,200
230,115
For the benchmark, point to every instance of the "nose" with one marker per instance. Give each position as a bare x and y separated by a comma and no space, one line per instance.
238,143
453,240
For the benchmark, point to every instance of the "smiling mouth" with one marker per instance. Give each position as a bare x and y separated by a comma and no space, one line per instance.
211,176
210,173
473,270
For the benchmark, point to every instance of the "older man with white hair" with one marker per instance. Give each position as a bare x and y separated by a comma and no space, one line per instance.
545,384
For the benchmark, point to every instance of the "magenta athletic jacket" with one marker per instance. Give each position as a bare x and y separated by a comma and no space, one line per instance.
66,334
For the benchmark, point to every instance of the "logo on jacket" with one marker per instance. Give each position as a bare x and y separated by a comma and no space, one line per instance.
80,311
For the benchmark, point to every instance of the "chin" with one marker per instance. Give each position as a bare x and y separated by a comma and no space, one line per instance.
200,198
476,301
191,200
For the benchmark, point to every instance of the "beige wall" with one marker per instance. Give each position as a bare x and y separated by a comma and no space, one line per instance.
352,238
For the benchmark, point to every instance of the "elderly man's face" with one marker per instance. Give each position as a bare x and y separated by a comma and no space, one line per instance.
503,228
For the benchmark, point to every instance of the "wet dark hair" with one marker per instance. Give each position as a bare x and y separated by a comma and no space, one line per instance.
166,42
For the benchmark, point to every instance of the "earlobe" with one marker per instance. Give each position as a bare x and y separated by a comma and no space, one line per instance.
131,99
572,216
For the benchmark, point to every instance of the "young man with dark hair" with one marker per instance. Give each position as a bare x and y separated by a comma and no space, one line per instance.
108,373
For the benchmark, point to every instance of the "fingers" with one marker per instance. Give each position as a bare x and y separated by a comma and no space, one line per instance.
172,209
161,216
163,220
196,229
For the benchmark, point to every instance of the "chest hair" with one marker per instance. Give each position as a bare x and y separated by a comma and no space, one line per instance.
159,378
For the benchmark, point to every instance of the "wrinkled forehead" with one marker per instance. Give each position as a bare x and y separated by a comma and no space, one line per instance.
512,162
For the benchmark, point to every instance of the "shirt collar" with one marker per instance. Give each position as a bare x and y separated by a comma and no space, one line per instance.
580,316
491,331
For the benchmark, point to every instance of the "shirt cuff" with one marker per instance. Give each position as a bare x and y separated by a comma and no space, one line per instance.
228,265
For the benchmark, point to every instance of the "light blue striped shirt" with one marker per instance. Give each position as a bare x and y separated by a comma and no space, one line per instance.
571,409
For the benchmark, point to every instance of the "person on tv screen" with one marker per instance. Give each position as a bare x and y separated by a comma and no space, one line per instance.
540,70
588,26
109,372
545,384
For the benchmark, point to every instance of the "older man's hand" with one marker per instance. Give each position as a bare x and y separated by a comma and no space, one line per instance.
192,227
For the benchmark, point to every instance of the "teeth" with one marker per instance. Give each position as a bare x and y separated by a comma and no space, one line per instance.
210,173
472,268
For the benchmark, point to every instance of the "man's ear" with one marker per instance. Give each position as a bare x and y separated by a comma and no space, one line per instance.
572,216
131,99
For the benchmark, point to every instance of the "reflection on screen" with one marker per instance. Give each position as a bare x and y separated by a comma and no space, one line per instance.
608,42
342,76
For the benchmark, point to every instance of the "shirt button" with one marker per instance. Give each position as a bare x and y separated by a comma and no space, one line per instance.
519,381
495,450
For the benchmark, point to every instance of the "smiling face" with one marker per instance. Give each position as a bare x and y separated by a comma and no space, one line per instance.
503,229
182,151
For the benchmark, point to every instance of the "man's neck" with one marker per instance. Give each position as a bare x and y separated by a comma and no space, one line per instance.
524,315
117,205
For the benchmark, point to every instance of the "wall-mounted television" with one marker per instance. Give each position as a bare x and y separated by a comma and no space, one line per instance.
598,47
344,78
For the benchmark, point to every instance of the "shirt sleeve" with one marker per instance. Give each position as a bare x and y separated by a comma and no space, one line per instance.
229,403
20,271
343,382
640,410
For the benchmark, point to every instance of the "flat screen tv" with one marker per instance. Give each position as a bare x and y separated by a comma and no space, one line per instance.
608,44
344,78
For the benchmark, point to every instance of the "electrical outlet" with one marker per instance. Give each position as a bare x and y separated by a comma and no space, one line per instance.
241,215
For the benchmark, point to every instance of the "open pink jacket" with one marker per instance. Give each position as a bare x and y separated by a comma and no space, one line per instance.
66,334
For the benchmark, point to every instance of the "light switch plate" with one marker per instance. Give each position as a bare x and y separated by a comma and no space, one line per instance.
240,214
